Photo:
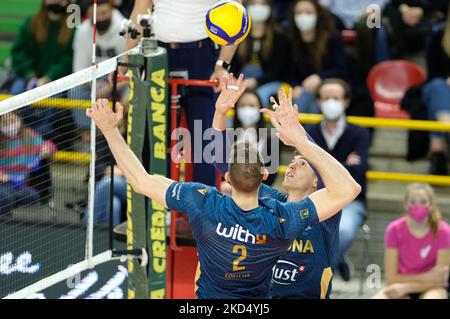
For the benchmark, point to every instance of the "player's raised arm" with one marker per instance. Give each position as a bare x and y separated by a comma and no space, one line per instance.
231,90
153,186
340,187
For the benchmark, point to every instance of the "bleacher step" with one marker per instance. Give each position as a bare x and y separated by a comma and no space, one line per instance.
388,197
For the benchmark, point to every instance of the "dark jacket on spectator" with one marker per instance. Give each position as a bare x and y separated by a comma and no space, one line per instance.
355,139
276,66
438,62
418,141
334,63
406,39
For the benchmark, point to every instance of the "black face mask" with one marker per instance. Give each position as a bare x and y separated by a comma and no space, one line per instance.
56,8
103,25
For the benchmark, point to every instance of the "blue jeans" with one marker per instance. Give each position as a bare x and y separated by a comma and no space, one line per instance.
382,52
40,119
307,103
351,221
101,200
436,96
267,90
79,115
12,197
252,71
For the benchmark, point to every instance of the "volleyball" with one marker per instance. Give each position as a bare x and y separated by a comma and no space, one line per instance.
227,23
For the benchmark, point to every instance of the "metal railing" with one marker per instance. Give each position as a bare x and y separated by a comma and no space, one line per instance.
404,124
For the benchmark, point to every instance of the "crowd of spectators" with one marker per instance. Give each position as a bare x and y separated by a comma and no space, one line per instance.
292,43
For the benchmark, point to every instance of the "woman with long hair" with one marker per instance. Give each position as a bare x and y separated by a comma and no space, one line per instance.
317,51
417,249
42,52
263,57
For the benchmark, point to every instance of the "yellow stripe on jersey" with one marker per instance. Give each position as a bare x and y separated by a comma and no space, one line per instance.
197,277
327,274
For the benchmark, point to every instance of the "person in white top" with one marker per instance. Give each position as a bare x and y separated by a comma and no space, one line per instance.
108,44
179,27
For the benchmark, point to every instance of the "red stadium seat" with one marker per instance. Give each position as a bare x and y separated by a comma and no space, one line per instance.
387,83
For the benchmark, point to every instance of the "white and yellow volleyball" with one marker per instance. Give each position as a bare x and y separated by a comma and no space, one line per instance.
227,23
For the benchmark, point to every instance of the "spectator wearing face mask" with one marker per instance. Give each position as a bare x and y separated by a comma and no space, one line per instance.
42,52
417,249
108,44
349,144
265,44
317,52
21,151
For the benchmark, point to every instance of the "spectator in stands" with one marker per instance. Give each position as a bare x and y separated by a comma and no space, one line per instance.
21,152
317,52
265,44
436,94
417,249
42,52
349,144
349,12
108,44
360,16
409,21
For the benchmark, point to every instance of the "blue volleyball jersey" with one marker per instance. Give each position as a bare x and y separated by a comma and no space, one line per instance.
304,270
237,249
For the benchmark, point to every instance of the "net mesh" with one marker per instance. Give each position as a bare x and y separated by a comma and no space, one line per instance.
44,172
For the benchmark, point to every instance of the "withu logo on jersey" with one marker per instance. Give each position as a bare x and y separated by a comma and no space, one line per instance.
284,272
241,234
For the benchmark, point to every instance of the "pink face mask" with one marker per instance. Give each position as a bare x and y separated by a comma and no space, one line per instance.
418,213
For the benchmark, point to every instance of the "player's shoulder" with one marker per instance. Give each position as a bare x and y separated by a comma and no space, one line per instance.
302,207
194,187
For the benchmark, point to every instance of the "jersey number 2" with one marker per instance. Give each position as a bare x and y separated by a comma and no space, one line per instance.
242,250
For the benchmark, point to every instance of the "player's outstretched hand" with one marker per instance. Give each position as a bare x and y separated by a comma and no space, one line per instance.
105,119
231,90
285,119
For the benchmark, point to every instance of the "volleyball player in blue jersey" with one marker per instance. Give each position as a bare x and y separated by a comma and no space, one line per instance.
304,270
239,238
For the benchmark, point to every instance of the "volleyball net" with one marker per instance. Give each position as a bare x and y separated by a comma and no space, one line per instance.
57,205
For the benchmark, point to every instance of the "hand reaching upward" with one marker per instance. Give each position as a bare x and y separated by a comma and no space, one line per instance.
285,120
105,119
231,90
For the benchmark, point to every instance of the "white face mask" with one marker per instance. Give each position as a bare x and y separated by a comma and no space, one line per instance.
11,130
259,12
248,115
332,109
306,22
